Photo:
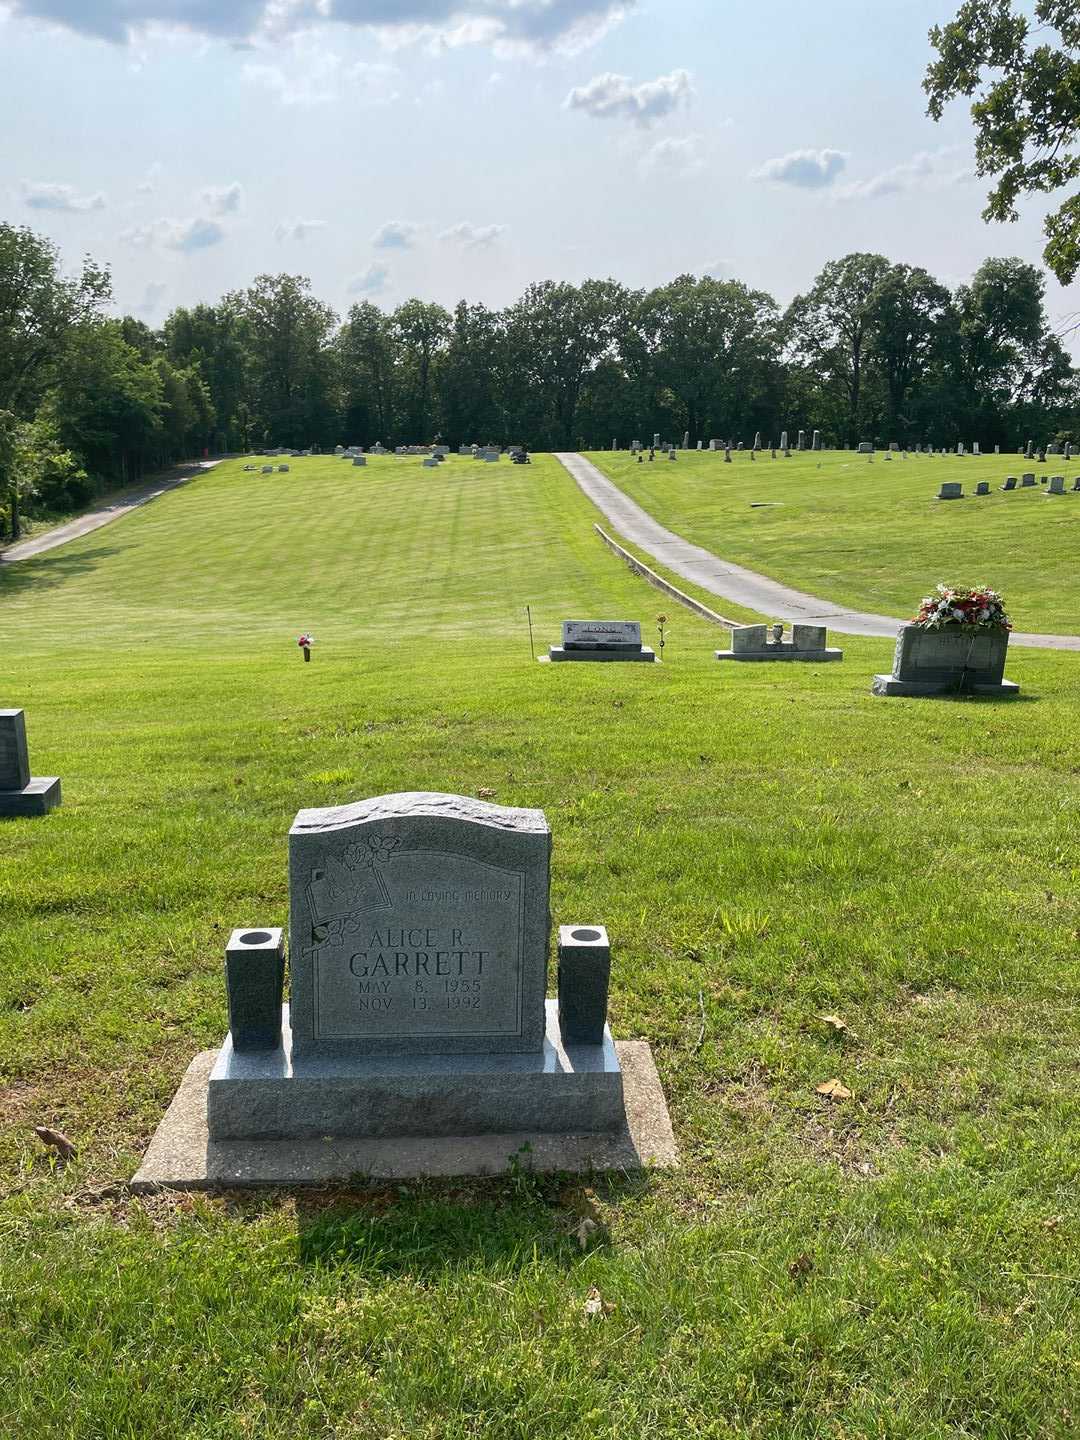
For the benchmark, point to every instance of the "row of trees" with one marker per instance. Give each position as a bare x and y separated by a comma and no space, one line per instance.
873,350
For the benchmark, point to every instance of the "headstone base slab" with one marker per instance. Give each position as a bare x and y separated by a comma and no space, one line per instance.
785,651
889,685
37,798
275,1095
181,1156
559,652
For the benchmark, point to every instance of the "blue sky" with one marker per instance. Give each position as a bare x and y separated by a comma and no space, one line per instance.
449,148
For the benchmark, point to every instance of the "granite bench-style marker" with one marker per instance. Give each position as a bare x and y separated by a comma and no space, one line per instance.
418,937
807,643
584,973
601,640
254,982
20,792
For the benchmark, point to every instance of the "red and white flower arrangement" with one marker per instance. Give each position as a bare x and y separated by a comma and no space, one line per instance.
977,607
305,642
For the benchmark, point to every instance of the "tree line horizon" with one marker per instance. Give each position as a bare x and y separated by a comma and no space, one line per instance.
872,350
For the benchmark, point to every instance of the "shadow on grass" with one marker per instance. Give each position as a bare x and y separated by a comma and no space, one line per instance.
43,572
428,1228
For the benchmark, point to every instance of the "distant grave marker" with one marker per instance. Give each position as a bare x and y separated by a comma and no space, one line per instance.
20,792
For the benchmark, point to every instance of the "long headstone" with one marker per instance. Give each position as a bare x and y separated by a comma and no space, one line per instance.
601,640
947,660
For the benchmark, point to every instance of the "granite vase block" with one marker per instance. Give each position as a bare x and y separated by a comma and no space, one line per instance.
584,972
254,982
951,660
275,1095
419,925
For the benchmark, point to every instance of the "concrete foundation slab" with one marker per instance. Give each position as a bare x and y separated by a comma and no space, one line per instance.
558,652
181,1156
888,685
780,652
280,1095
37,798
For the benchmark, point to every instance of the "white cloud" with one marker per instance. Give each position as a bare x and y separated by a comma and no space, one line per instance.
926,170
223,199
720,270
120,20
566,25
510,27
186,236
148,184
674,158
396,235
806,169
473,237
41,195
612,96
297,229
310,74
374,280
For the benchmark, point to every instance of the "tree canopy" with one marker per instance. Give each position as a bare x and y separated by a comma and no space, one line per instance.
871,350
1026,110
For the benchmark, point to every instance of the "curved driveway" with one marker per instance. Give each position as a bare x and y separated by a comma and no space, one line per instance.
733,582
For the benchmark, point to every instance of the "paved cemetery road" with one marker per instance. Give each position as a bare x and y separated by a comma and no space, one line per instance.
106,512
732,582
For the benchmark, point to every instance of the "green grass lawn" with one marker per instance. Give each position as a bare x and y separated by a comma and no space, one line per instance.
872,535
766,844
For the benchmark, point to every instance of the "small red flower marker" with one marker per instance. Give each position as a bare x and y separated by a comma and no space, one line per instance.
305,642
